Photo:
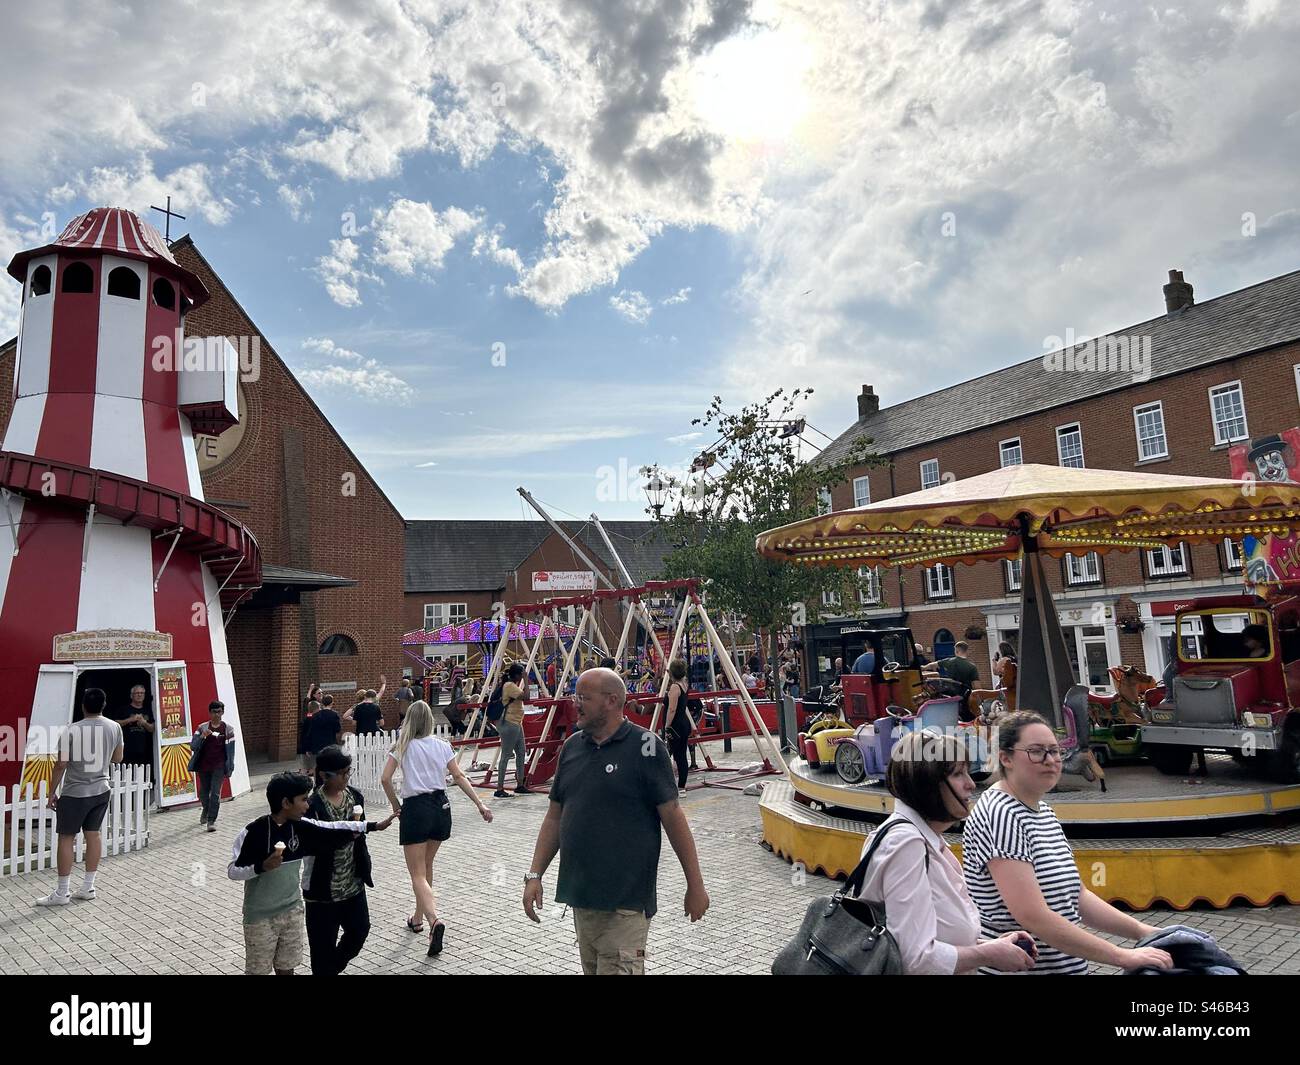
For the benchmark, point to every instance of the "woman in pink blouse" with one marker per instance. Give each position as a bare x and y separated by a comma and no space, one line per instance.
919,880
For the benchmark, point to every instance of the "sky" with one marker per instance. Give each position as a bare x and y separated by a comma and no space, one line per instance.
509,242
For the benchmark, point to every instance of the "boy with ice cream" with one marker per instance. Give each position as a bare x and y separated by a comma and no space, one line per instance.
266,858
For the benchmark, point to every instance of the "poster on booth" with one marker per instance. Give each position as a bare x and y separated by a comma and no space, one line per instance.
1268,560
174,733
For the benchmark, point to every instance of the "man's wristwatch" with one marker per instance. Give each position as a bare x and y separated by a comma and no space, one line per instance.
532,876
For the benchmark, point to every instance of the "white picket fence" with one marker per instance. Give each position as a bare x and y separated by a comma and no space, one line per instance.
28,833
369,753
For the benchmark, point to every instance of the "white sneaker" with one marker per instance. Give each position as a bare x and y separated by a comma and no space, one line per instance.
55,899
84,895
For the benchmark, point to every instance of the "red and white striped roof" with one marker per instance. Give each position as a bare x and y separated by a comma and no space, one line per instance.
113,231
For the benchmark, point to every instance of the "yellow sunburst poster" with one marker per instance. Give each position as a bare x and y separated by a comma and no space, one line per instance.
37,768
176,778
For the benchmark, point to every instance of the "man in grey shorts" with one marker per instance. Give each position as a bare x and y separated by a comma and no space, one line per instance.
87,748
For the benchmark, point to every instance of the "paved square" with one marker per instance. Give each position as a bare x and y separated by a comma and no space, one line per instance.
172,909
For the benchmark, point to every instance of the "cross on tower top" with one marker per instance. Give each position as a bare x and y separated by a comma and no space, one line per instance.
167,226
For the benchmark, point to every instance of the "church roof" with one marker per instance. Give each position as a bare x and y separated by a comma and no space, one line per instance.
116,231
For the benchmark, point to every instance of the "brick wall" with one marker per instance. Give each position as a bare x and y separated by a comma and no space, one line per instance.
311,505
248,639
477,603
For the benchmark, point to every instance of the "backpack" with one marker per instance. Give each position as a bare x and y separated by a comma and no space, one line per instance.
496,707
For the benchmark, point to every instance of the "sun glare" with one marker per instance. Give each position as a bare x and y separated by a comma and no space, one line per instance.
753,88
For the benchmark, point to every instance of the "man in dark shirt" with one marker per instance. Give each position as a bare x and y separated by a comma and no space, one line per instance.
368,717
367,714
960,668
137,724
613,789
323,730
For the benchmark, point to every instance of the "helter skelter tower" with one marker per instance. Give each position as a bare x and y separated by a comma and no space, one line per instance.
113,569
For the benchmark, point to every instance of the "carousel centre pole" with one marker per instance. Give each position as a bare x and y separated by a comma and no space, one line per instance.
1045,674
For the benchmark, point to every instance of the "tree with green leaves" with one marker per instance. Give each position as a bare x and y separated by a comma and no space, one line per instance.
750,480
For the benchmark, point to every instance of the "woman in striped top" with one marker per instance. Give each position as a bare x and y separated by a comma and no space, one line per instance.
1021,872
916,877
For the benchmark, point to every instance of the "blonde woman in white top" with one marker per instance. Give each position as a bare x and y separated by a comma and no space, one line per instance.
425,761
918,879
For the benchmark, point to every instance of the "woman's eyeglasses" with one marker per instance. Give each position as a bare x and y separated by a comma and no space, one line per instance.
1038,753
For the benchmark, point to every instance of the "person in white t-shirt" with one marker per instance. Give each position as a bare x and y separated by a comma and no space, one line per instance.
425,809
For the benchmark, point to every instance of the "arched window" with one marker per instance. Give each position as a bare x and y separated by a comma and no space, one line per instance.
944,643
40,281
163,294
338,644
124,282
78,277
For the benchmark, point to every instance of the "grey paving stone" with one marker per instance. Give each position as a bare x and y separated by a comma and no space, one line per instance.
144,920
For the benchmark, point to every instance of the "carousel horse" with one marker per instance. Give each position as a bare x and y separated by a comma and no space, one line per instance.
988,704
1128,706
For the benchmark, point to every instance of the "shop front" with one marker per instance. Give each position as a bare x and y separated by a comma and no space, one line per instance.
838,639
1091,640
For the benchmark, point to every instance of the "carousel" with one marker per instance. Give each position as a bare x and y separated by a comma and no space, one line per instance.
1143,830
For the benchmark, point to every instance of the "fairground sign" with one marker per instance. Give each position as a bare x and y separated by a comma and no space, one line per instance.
564,581
103,644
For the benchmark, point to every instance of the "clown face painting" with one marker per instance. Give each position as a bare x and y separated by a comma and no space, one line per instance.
1271,459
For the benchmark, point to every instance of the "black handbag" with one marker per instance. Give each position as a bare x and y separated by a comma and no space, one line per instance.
843,935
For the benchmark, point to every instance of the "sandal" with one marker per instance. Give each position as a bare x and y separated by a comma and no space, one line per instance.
413,927
435,938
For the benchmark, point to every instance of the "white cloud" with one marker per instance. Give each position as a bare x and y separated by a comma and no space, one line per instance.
325,346
683,438
364,378
1080,152
136,187
681,296
507,443
488,245
341,273
632,305
13,239
412,236
370,381
296,198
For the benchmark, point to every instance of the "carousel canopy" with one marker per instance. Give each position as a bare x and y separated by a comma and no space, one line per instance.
1064,509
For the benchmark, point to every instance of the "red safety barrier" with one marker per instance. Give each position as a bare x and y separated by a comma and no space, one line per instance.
639,709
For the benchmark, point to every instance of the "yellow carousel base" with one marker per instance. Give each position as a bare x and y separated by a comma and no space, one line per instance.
1259,865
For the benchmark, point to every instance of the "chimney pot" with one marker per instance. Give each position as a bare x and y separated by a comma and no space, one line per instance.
1178,293
868,402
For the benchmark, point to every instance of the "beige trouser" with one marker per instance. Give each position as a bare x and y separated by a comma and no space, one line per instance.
612,942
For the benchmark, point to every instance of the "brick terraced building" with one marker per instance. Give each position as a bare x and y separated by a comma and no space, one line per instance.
1220,372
